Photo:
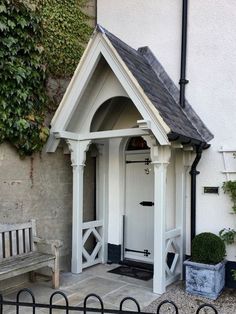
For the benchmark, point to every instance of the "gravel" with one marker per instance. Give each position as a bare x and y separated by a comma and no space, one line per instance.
186,303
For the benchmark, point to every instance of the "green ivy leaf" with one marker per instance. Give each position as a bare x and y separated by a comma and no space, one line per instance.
3,26
3,8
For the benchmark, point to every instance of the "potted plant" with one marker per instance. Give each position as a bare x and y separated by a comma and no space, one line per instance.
205,272
228,235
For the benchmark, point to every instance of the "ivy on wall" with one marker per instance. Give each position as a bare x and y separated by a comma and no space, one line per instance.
66,32
39,38
22,77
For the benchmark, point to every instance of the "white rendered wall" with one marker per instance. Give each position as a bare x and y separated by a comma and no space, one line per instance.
211,70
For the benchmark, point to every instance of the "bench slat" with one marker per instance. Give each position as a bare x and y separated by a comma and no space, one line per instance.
24,261
27,241
1,248
6,244
11,227
14,247
20,243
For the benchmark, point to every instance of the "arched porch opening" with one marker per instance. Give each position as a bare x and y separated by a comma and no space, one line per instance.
114,114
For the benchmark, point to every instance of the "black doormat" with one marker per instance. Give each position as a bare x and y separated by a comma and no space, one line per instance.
136,264
133,272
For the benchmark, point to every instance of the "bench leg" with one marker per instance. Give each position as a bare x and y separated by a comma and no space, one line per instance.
55,279
56,270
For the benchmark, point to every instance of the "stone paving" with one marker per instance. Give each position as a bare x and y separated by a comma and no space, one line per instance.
110,287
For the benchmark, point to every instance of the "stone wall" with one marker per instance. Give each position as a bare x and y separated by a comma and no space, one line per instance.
38,187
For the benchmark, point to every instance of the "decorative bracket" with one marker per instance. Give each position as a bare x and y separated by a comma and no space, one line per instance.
159,154
78,151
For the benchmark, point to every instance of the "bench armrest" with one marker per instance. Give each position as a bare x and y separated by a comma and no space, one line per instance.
54,243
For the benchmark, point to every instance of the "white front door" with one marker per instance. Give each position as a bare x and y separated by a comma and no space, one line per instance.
139,209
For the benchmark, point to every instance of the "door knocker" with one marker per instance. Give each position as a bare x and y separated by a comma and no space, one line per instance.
147,170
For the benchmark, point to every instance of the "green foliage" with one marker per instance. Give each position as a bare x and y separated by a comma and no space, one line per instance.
228,235
35,35
234,273
66,31
208,248
22,93
229,187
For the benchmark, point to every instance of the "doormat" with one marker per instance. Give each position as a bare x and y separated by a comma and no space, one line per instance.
133,272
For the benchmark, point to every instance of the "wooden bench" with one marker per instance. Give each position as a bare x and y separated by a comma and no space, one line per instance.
21,251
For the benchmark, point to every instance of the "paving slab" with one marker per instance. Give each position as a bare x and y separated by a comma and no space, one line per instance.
143,296
42,292
68,280
98,285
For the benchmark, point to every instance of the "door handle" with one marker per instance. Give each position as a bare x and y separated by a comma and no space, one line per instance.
146,203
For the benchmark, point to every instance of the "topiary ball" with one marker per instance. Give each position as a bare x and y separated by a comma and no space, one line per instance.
208,248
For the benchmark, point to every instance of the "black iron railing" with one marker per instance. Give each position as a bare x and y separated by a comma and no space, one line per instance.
66,308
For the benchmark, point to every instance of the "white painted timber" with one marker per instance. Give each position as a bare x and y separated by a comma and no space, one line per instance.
78,155
94,228
101,134
100,45
229,161
160,158
115,189
136,93
180,207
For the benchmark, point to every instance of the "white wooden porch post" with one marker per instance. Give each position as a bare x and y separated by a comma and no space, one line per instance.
160,158
115,190
78,156
180,203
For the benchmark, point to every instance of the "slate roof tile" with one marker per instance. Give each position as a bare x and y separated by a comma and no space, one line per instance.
160,89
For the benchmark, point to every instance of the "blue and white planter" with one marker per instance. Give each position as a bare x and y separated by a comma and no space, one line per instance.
205,280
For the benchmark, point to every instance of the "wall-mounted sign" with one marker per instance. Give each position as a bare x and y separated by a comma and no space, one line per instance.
211,189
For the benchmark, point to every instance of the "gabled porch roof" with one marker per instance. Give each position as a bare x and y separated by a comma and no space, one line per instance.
139,72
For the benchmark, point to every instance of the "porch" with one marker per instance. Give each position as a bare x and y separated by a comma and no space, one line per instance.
116,94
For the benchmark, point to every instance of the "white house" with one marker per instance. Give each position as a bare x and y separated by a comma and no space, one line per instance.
132,142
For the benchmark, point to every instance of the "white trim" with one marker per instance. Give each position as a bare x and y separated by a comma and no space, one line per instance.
91,224
173,233
135,92
102,191
160,156
100,45
226,152
100,134
173,279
